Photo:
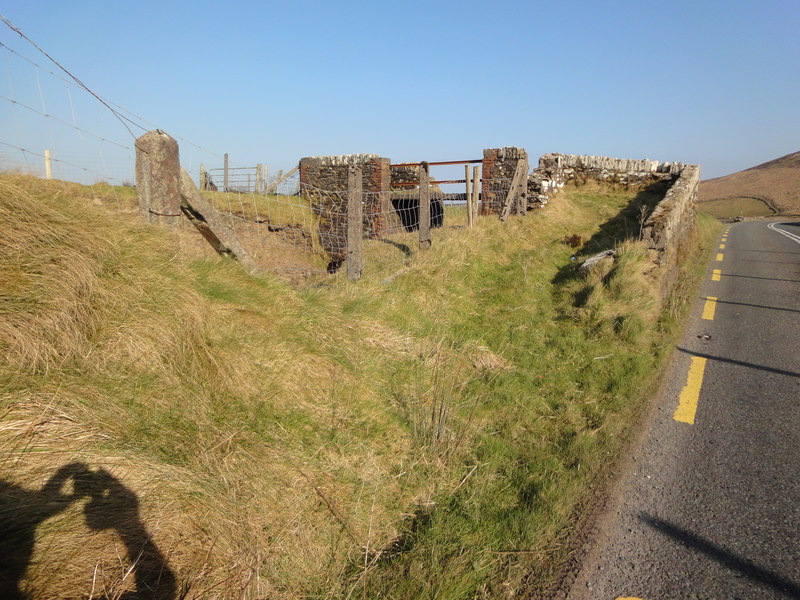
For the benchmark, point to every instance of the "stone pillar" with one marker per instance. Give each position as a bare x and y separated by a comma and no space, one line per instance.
499,166
324,180
158,176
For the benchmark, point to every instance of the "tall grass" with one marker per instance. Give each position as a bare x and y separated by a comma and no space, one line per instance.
425,432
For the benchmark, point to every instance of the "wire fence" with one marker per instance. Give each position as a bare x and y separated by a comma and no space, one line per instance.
52,126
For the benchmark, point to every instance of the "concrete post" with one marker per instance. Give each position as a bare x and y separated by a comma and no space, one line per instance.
424,207
355,223
158,176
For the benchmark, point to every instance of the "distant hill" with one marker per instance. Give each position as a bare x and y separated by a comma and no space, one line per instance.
776,182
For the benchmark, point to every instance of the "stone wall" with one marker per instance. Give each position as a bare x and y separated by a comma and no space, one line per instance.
499,165
667,232
556,170
324,179
407,175
669,229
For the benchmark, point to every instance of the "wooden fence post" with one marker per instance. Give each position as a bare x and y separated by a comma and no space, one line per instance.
476,192
225,174
470,220
514,190
355,226
203,178
522,191
48,171
158,176
424,206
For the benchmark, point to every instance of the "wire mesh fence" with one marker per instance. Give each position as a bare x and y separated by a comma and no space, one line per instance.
56,128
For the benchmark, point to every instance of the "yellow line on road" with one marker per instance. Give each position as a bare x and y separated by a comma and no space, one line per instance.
722,246
709,308
627,598
719,256
690,394
716,275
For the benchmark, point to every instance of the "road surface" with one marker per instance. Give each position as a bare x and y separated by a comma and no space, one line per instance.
710,505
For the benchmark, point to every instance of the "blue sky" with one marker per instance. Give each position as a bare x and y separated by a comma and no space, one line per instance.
709,82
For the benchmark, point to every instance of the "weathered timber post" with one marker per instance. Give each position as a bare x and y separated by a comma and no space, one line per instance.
515,190
259,175
203,176
48,170
500,166
355,223
470,220
522,188
225,174
424,206
476,192
158,175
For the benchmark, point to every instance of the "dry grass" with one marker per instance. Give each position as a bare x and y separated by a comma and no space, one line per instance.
293,442
777,183
239,413
736,207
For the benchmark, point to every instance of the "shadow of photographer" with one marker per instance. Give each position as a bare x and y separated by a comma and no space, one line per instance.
111,506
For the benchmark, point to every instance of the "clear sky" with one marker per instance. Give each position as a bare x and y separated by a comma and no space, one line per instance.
702,81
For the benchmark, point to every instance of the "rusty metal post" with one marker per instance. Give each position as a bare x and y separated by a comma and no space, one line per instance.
158,176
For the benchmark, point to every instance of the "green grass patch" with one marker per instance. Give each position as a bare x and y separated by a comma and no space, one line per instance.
427,432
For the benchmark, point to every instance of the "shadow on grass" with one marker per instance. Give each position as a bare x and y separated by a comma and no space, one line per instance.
626,224
110,505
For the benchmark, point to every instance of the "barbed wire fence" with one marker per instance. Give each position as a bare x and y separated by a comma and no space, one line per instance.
56,128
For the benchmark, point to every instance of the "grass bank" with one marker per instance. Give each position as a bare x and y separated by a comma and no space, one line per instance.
736,207
427,432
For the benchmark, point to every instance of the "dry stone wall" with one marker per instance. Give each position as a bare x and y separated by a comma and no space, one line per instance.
499,166
668,230
670,227
324,179
556,170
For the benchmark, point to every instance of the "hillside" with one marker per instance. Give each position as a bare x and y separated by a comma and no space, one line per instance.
174,427
777,183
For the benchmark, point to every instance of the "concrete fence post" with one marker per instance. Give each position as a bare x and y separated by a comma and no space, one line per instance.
158,176
424,206
355,226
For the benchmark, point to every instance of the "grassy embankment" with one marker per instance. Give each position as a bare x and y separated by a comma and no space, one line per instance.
428,432
736,207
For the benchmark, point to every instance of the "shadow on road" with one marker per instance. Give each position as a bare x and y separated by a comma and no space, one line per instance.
739,362
764,278
723,557
111,505
718,301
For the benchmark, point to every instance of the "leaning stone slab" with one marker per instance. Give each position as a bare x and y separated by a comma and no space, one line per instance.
597,258
211,225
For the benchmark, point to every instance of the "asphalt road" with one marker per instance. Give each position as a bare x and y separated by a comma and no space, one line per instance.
710,504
